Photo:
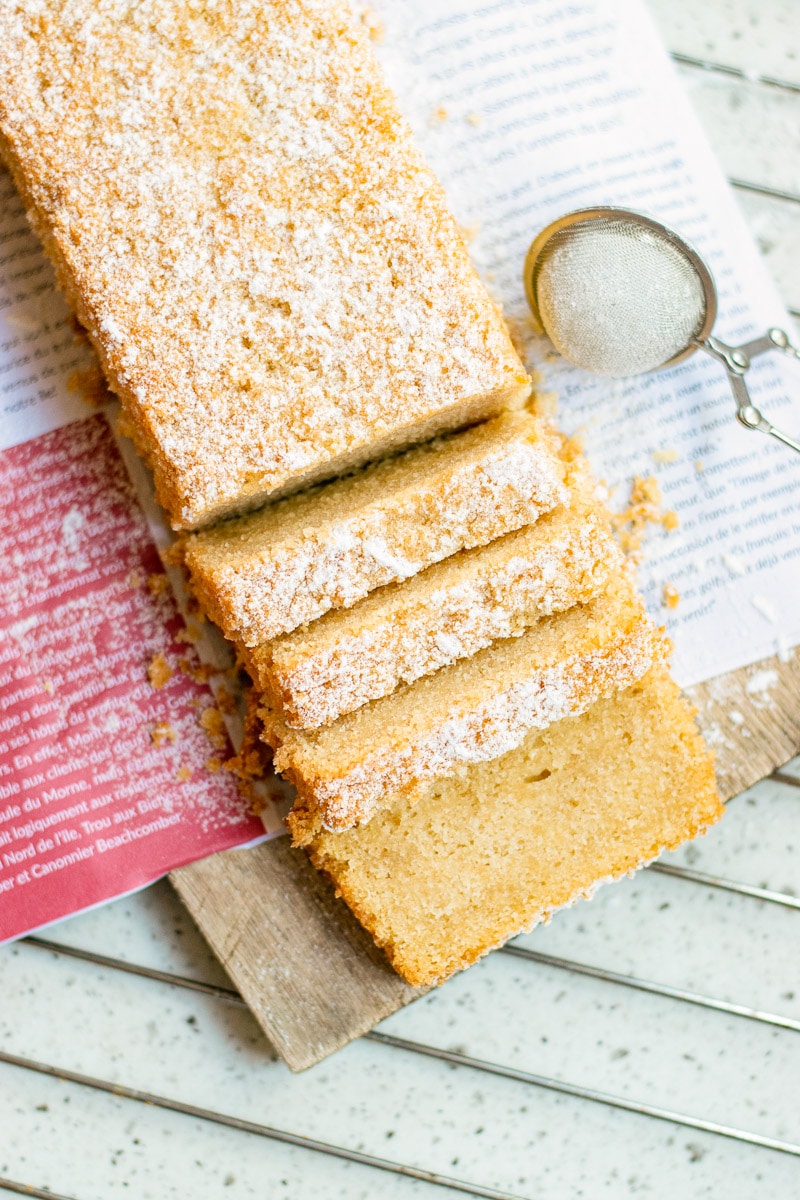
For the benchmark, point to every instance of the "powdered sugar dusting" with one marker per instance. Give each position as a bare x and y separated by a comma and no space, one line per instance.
445,614
479,729
478,488
264,258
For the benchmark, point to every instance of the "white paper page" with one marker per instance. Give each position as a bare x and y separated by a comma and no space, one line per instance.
528,109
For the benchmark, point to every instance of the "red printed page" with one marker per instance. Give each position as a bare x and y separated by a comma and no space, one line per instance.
108,778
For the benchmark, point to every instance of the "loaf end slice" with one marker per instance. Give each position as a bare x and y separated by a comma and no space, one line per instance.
496,850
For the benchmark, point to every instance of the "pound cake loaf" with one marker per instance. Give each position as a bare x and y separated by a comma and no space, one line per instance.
493,851
450,611
472,711
242,222
269,572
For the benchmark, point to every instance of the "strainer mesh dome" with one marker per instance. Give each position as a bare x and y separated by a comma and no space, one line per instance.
616,297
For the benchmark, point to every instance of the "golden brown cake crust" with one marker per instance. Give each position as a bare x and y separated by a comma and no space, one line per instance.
484,856
242,221
473,711
269,572
450,611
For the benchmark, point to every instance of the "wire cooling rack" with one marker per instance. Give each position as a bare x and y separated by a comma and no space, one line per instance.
532,959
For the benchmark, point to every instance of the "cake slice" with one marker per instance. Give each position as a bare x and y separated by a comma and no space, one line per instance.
472,711
493,851
450,611
243,223
269,572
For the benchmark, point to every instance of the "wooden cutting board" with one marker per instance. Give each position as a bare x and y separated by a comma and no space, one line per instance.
314,979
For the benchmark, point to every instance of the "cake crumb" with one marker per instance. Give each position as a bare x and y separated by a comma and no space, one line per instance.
373,24
470,232
172,556
159,672
183,774
135,579
699,466
665,456
157,584
475,119
90,385
545,404
162,732
671,597
226,701
49,687
438,116
214,765
199,672
211,720
644,508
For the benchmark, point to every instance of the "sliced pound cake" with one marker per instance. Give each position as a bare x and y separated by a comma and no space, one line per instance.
488,853
472,711
450,611
269,572
242,221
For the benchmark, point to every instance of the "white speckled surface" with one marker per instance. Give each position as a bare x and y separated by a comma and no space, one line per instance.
390,1102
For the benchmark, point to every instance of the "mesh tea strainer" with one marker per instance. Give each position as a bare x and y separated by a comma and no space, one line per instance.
618,293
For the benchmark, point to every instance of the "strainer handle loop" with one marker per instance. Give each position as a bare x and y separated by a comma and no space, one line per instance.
736,361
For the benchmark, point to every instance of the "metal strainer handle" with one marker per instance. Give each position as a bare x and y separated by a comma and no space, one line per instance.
736,361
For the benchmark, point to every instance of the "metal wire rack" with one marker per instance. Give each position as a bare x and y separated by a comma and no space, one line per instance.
453,1058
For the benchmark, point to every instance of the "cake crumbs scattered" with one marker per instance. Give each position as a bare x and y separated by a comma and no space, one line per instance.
763,606
670,595
226,701
545,404
373,24
214,765
135,579
470,232
159,672
157,584
172,555
211,720
183,774
49,687
644,508
199,672
475,119
90,385
438,116
699,466
665,456
162,732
